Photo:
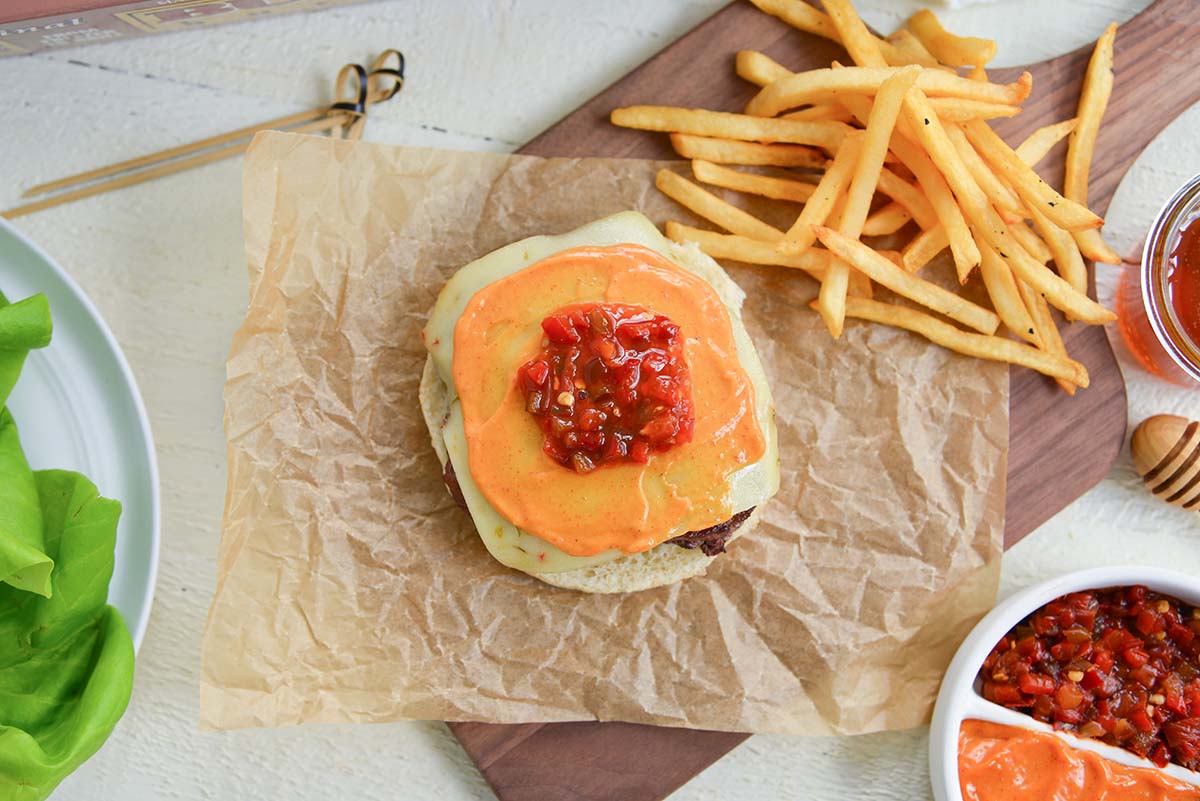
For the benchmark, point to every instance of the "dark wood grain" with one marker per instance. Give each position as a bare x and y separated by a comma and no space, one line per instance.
1059,447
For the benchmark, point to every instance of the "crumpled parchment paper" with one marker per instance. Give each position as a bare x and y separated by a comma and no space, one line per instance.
350,587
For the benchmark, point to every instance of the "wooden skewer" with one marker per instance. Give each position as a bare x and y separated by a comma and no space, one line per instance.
174,152
324,124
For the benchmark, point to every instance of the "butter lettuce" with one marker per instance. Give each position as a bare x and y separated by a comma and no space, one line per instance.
66,657
23,560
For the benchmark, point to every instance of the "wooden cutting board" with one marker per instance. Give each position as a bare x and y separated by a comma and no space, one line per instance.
1059,447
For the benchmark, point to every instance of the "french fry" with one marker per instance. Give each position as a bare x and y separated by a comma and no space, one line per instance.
950,214
722,124
908,196
995,231
821,111
978,73
957,51
712,208
814,261
1093,100
1057,291
858,41
880,124
749,154
929,295
752,183
1048,332
988,222
799,15
923,247
887,220
816,211
1040,142
1005,296
957,109
1064,251
993,348
759,68
1000,195
805,88
805,17
1033,244
1030,187
861,191
904,42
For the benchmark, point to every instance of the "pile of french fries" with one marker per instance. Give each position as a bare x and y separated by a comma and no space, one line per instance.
902,137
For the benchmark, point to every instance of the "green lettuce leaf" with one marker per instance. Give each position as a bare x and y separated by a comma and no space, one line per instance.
66,667
23,560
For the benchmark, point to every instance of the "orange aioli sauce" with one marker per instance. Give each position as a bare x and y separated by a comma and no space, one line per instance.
628,506
1006,763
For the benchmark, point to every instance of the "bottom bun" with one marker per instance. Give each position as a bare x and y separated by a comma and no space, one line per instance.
660,566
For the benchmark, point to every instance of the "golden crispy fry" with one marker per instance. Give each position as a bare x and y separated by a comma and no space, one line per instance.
752,183
988,222
1094,247
880,124
821,111
805,17
858,41
957,51
1057,291
887,220
829,191
1063,250
915,52
814,261
1093,100
926,174
957,109
883,271
714,209
759,68
1032,189
701,122
994,230
924,246
978,73
1047,330
1000,195
1039,143
950,214
994,348
1033,244
751,154
805,88
800,15
908,196
1005,296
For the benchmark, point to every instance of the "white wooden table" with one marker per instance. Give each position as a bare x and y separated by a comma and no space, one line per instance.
164,264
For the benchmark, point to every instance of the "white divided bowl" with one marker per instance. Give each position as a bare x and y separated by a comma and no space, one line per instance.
960,700
78,408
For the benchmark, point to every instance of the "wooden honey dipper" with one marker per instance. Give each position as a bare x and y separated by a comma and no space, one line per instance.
1166,454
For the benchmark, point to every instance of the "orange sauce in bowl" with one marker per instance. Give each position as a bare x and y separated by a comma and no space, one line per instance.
1006,763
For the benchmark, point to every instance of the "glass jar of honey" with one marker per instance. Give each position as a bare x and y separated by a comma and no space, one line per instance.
1158,302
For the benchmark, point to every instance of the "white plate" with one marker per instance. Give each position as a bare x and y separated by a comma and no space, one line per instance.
78,408
959,699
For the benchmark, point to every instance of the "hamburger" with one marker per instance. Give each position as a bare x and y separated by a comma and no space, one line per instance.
598,407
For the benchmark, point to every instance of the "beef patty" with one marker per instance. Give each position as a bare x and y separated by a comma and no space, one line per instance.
711,541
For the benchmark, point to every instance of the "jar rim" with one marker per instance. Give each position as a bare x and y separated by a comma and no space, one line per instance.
1182,208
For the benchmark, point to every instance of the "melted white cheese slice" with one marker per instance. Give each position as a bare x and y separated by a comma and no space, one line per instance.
751,486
